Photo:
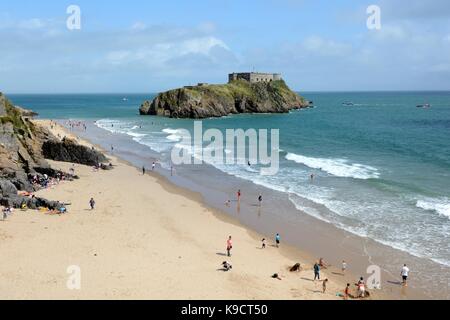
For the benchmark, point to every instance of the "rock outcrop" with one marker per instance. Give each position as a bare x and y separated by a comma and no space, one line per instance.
69,151
20,146
239,96
24,148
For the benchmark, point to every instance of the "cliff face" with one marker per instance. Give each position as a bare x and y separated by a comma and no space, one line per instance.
236,97
24,147
20,145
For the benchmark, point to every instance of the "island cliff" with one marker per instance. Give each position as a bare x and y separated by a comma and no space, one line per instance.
238,96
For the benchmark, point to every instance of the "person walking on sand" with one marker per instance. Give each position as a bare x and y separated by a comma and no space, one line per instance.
229,246
316,271
143,170
92,203
260,199
405,274
324,286
264,242
344,267
278,240
153,166
239,195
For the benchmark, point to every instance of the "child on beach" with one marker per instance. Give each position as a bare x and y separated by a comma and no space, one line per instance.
6,211
229,246
405,274
344,267
92,203
296,268
263,243
226,266
347,292
278,240
324,285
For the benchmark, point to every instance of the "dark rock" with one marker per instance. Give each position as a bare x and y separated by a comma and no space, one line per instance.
69,151
7,188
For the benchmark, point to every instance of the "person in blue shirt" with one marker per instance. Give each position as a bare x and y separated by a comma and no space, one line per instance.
316,271
278,240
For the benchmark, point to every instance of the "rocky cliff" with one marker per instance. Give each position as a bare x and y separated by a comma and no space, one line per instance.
239,96
24,147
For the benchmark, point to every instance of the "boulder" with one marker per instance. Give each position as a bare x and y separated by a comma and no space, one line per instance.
68,150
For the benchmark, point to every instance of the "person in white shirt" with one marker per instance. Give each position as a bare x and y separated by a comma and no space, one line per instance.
405,274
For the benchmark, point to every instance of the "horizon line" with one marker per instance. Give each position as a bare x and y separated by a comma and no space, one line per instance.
155,93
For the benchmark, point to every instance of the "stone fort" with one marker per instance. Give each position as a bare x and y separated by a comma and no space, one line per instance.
254,77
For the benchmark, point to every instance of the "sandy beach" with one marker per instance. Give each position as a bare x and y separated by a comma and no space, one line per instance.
146,239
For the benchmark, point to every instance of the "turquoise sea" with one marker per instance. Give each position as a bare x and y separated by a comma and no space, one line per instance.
381,166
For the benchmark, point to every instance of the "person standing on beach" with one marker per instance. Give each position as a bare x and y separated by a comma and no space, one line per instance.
260,199
361,288
278,240
264,243
92,203
316,272
229,246
153,166
239,195
347,292
405,274
143,170
344,267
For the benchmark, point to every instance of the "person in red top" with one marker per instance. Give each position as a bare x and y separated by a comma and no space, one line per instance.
239,195
229,246
347,292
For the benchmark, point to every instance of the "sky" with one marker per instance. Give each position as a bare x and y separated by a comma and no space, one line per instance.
152,46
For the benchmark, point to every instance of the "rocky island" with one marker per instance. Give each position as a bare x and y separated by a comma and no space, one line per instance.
244,93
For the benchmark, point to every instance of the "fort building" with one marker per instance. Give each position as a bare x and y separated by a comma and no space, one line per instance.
254,77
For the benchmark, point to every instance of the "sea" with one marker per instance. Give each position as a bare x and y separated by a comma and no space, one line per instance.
380,165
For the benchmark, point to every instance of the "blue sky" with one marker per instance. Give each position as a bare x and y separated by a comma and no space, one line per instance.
150,46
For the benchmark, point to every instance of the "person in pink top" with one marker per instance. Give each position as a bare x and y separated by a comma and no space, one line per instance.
229,246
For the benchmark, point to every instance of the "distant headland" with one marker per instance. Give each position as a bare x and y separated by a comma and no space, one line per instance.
248,92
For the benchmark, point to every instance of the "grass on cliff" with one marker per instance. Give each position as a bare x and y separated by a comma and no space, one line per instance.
14,116
241,89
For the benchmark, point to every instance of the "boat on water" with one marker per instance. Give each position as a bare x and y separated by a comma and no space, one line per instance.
348,103
425,106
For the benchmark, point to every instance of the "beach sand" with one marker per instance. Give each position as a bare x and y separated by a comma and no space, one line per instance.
146,239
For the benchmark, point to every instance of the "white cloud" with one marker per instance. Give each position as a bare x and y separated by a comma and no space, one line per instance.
320,46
